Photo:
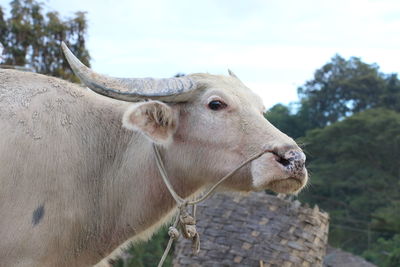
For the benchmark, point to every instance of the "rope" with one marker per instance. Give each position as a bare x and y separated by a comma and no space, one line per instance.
212,189
186,221
164,175
172,237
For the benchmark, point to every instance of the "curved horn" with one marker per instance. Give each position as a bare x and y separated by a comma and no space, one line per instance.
232,74
131,89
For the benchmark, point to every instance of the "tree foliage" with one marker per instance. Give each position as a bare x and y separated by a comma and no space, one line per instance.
32,38
385,252
356,175
348,120
294,124
344,87
147,254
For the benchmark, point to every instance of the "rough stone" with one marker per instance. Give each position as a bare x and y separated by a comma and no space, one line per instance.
256,227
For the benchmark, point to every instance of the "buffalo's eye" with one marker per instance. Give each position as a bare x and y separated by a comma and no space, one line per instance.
217,105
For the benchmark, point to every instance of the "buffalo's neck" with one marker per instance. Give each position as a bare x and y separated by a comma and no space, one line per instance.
135,198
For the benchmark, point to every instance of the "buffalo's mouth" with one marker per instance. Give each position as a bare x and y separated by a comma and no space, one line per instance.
293,164
280,172
287,185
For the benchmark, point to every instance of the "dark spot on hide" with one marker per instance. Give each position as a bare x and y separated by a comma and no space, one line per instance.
37,215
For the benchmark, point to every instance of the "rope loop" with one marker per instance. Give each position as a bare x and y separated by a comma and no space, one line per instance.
173,233
186,221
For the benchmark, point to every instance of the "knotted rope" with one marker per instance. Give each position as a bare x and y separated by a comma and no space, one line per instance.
187,222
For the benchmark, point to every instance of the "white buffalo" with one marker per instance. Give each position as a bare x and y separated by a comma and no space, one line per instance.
78,175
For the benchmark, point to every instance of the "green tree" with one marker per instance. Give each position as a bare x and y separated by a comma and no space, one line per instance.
386,252
293,123
354,167
339,89
3,29
148,254
391,97
348,120
387,218
343,87
32,38
281,117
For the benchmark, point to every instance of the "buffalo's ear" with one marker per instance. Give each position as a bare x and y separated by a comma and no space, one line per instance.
154,119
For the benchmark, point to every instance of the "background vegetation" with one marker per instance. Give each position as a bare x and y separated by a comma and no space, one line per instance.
348,120
31,37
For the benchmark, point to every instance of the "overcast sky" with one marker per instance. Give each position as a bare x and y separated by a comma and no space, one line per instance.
273,46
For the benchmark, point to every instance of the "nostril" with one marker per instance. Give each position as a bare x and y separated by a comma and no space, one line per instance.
283,161
297,157
291,158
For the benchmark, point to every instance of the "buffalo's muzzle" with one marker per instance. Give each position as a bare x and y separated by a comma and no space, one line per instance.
293,162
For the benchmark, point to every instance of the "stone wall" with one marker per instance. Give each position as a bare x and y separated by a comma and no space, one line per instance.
256,230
